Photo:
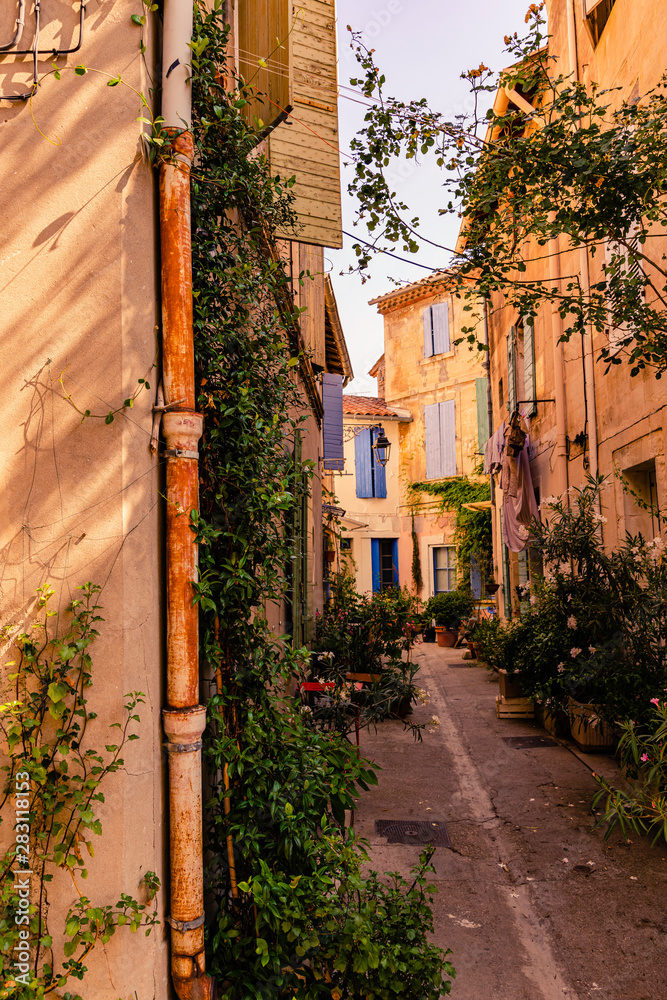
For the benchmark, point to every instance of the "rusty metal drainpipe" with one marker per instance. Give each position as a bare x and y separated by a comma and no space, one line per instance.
183,717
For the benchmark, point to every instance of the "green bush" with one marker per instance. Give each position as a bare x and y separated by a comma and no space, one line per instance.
451,608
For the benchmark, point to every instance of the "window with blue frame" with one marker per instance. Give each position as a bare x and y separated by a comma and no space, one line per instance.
370,476
384,561
444,568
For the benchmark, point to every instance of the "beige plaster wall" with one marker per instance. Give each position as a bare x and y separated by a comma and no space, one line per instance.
78,295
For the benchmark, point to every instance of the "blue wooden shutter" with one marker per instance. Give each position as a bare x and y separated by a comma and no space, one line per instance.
511,371
375,564
475,578
529,365
362,463
332,425
428,333
379,472
447,420
432,441
440,315
483,430
394,560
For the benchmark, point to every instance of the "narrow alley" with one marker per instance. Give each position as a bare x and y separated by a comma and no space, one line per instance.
531,900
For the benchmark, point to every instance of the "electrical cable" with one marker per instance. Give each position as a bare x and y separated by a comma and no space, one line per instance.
35,50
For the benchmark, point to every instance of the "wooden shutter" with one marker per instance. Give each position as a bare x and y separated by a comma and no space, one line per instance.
375,564
264,33
447,420
529,365
332,425
440,314
432,441
379,472
523,577
306,563
475,578
590,5
483,430
362,463
428,333
306,145
297,550
511,371
394,559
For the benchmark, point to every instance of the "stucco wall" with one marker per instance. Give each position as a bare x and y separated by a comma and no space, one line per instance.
81,500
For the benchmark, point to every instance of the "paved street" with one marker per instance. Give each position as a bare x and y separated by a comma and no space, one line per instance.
532,902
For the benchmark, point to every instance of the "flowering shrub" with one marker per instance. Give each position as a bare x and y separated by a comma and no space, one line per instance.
594,627
643,750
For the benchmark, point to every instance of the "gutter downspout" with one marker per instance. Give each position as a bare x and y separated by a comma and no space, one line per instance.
587,336
559,372
184,719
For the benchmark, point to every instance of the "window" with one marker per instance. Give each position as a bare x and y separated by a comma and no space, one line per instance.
640,506
596,15
370,476
625,284
436,329
501,395
440,439
444,568
384,557
521,367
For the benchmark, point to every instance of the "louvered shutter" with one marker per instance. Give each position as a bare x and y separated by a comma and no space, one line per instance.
379,472
428,333
375,564
511,371
483,431
297,551
529,365
447,418
394,560
440,319
432,441
332,425
362,463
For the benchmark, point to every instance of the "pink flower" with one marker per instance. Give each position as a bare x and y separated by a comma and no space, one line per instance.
644,757
591,649
561,668
655,701
574,652
572,622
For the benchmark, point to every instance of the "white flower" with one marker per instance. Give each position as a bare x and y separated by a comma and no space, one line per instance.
434,722
422,695
574,652
572,622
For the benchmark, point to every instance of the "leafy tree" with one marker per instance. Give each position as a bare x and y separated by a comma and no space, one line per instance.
559,162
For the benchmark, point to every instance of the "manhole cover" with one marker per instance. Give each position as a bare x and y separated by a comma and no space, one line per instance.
529,742
407,831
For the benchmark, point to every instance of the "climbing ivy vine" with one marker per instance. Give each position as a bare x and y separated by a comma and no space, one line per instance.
472,534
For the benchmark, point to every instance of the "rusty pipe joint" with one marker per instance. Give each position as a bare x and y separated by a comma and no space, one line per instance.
184,728
182,430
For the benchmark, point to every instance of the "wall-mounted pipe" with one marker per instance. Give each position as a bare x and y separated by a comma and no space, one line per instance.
559,371
184,718
587,335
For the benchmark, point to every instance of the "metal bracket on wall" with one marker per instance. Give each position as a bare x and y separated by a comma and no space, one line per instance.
35,51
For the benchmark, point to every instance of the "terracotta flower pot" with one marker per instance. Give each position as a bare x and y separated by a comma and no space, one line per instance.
445,636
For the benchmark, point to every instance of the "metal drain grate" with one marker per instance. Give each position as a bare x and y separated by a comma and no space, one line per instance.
529,742
407,831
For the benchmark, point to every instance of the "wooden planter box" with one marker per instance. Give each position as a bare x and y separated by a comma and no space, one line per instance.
589,732
509,688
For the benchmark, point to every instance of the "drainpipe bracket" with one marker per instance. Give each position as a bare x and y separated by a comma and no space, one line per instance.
180,453
186,925
183,747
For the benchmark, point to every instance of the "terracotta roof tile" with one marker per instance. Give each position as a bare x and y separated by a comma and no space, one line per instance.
367,406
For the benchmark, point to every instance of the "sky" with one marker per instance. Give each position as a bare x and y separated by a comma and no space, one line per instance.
422,47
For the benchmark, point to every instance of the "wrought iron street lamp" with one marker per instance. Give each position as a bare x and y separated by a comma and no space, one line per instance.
381,447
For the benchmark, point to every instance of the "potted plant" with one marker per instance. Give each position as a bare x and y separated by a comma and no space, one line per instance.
449,610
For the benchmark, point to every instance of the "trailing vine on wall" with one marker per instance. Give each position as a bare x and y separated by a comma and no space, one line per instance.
52,787
472,534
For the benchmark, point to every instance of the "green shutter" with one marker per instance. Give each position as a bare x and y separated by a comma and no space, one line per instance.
483,429
529,365
511,371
